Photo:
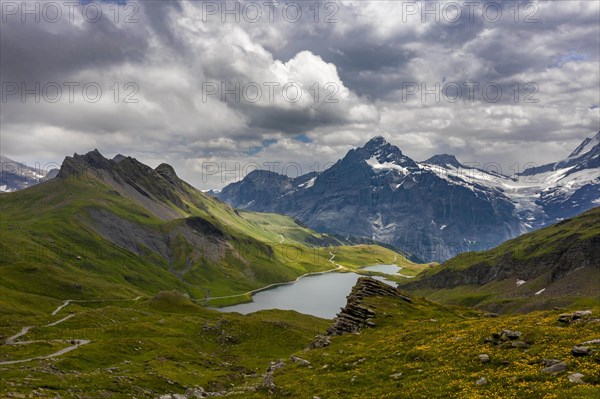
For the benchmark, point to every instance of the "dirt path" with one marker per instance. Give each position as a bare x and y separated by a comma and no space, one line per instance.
60,321
74,343
65,303
11,340
77,344
69,301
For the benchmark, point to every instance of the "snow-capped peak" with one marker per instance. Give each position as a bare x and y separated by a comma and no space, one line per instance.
378,151
586,146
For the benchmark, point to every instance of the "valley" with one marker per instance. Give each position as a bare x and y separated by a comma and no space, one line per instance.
128,282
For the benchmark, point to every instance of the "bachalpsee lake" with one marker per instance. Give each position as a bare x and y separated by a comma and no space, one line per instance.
320,295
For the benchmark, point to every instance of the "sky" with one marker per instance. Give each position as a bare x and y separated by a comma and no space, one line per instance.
218,89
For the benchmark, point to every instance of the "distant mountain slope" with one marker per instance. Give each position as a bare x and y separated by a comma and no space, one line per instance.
118,228
546,266
17,176
434,209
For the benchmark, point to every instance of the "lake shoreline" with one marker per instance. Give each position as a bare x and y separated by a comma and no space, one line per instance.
321,296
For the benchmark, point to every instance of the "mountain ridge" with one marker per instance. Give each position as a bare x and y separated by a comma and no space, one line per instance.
433,209
544,267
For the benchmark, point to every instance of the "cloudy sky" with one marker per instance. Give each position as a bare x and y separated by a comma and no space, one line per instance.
209,86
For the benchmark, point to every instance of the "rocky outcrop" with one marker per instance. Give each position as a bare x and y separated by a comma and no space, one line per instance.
507,339
356,315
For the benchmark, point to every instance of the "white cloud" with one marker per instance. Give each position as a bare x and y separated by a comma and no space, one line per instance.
171,54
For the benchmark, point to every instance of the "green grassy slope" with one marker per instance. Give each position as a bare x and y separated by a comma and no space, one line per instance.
423,350
106,230
148,347
550,267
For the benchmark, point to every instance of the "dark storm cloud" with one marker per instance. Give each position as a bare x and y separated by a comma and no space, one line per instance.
370,53
48,51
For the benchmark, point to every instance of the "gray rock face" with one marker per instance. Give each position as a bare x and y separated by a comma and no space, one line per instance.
550,362
512,335
592,342
433,210
195,393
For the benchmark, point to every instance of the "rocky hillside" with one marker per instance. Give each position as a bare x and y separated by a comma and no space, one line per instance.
433,209
545,267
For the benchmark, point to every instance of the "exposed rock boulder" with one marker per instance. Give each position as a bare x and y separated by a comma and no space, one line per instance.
508,339
555,368
579,351
484,358
274,366
568,318
577,378
511,335
300,361
591,342
320,341
195,393
268,382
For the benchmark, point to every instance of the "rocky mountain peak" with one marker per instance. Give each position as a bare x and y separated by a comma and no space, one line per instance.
118,158
78,164
167,171
378,146
376,141
385,153
587,145
444,160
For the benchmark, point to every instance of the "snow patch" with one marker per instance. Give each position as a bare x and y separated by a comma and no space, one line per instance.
377,166
308,184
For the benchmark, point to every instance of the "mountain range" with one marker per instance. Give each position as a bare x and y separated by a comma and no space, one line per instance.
17,176
433,209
